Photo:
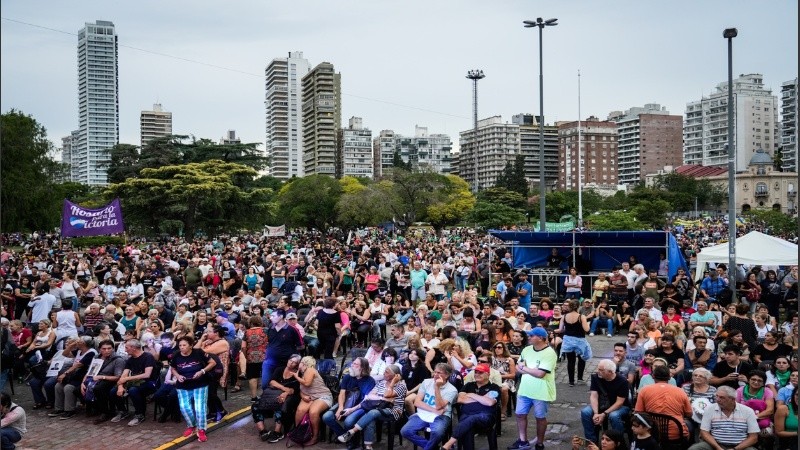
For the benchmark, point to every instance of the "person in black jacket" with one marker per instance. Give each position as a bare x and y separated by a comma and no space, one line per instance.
283,343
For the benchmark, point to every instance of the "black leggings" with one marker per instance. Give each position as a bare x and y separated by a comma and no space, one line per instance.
214,402
571,356
326,343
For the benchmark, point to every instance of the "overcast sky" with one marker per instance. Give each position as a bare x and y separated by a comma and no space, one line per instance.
402,62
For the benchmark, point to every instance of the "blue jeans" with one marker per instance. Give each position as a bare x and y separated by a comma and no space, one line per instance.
610,326
578,345
468,424
461,282
402,318
376,326
76,304
137,394
330,420
415,425
417,294
3,379
267,367
49,385
616,419
278,282
8,437
368,419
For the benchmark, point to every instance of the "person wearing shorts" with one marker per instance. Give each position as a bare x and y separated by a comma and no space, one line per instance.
537,387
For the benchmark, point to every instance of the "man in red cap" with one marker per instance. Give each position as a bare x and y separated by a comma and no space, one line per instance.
478,399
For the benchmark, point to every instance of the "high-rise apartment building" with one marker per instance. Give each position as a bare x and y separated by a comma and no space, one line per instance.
67,147
284,105
322,118
755,119
154,124
98,103
598,153
496,144
649,138
529,144
422,151
788,142
354,150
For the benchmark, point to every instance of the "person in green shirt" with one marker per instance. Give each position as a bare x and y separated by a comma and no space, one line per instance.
537,387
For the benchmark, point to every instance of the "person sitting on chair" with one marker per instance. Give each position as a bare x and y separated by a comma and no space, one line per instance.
478,400
434,405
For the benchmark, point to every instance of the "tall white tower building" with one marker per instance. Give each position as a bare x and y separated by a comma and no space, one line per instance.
98,102
284,105
789,95
755,119
354,150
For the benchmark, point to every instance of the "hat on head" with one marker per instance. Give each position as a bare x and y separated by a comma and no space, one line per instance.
482,368
538,331
291,316
221,313
4,321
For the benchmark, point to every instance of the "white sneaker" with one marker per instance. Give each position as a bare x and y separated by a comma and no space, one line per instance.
609,335
591,334
118,417
136,420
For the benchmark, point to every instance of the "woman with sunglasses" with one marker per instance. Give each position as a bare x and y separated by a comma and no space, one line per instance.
504,363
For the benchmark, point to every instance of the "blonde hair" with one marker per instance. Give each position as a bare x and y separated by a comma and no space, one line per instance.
309,361
414,342
447,345
674,328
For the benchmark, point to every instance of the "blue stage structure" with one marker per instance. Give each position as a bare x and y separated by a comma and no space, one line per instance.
602,250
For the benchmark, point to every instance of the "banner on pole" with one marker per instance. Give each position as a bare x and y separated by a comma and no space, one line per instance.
558,226
77,221
275,231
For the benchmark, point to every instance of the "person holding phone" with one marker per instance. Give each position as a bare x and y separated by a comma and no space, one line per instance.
610,440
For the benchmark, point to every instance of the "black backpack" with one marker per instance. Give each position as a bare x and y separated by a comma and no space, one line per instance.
288,287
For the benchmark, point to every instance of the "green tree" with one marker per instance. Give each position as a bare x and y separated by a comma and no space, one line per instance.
652,214
416,191
309,202
680,191
503,196
454,202
398,163
562,203
614,221
618,201
207,196
492,216
776,222
369,206
513,176
27,169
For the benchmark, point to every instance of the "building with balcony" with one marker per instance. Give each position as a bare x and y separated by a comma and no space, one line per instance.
648,139
495,144
354,150
529,145
154,124
598,153
230,138
788,136
284,125
421,151
322,118
705,127
98,103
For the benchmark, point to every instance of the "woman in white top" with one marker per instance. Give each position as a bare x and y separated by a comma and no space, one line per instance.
67,323
762,326
135,289
70,290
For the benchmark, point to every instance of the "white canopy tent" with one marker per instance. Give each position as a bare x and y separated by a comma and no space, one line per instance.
754,248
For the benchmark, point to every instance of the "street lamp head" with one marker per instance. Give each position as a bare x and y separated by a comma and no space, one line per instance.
730,33
540,23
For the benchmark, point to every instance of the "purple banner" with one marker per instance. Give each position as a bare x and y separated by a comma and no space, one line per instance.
77,221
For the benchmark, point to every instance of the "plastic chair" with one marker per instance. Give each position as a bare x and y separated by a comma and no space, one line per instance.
662,423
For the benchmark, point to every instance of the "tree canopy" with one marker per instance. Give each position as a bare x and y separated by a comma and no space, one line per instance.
513,176
309,202
31,198
200,196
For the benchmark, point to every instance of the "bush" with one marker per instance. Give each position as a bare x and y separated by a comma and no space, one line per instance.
96,241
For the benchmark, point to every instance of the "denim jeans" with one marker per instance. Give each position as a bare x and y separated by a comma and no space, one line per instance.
461,282
330,420
609,322
3,379
438,430
616,420
367,422
267,367
467,425
137,394
402,317
417,293
49,385
278,282
376,327
8,437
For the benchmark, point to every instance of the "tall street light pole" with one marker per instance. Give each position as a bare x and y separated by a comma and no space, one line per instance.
539,23
475,75
729,34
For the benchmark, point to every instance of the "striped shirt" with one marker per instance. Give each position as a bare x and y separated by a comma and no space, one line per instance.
399,396
732,429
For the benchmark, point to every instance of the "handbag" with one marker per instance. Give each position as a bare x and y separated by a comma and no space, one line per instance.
369,405
352,397
269,399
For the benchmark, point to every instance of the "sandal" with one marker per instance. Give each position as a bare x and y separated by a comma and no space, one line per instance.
236,389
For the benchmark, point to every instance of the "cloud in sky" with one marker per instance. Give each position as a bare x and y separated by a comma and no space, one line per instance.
411,53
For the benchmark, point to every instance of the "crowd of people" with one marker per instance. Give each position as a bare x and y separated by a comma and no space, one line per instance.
437,333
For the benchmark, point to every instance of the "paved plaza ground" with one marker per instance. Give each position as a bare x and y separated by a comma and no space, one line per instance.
238,432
